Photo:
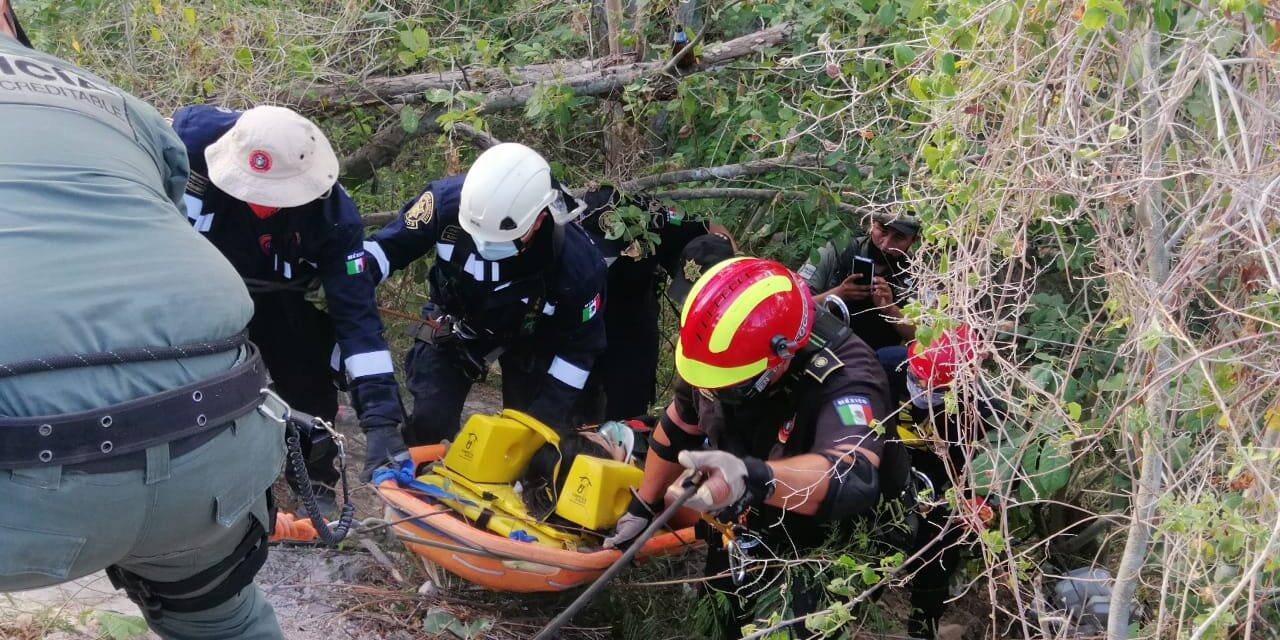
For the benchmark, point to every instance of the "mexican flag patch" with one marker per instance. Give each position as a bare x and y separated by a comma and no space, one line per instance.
590,309
355,264
854,411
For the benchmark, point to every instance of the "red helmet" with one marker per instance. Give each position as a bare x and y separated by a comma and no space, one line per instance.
935,365
744,317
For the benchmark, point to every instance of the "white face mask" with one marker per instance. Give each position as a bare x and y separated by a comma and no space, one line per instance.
923,399
494,251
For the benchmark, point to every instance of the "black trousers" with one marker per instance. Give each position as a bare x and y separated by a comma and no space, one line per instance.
626,372
931,581
439,386
297,342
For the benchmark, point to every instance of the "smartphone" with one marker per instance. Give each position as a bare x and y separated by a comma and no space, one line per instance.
864,269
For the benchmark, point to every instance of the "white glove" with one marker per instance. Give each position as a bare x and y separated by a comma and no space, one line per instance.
725,483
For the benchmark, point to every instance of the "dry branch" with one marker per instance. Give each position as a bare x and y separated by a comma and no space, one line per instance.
385,145
725,172
409,88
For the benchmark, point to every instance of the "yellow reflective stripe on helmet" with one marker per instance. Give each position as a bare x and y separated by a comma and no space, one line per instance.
702,282
741,307
706,376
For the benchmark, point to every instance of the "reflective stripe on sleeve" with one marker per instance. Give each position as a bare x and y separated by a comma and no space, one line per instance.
374,249
568,373
195,206
368,364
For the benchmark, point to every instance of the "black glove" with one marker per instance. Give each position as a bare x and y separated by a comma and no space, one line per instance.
383,444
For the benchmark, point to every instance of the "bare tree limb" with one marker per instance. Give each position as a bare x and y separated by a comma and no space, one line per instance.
410,88
385,144
479,139
726,172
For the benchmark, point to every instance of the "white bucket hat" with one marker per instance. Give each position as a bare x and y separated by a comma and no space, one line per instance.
273,157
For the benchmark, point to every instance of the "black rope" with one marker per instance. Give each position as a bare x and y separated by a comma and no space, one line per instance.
123,356
307,494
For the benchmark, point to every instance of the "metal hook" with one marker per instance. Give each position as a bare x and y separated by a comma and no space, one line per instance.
282,416
840,308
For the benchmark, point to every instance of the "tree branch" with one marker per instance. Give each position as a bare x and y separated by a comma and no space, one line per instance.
410,88
385,144
725,172
479,139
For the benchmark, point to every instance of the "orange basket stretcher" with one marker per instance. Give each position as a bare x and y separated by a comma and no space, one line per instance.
444,536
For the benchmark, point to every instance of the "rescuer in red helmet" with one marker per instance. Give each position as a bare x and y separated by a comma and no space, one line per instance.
776,403
940,448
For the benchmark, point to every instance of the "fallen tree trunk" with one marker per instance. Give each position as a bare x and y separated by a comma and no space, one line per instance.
385,144
409,88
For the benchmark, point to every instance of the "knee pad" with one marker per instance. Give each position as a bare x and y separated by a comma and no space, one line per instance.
227,578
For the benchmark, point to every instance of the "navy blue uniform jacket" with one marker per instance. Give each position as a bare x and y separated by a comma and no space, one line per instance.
289,250
569,328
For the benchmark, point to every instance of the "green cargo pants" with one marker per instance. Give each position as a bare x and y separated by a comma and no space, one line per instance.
166,522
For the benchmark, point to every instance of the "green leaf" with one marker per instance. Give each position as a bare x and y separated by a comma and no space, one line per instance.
1094,19
947,63
118,627
917,87
903,55
1049,470
1117,132
873,67
1074,410
207,86
421,40
1114,7
407,58
888,14
406,39
1164,22
244,58
189,14
409,120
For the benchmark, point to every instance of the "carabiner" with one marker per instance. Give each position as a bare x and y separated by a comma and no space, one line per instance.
283,415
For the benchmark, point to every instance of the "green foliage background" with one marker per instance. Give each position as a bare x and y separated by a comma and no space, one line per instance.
1093,177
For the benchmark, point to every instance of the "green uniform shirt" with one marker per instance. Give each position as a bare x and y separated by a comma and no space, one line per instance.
96,250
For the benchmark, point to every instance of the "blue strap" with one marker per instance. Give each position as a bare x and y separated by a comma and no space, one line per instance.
404,478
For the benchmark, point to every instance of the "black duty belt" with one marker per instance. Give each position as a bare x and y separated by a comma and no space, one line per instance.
101,437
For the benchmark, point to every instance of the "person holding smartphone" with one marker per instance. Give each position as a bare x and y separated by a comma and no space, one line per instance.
871,274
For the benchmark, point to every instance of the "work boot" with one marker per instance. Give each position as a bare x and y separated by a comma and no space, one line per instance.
326,505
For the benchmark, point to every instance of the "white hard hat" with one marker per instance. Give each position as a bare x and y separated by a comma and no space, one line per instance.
273,157
503,193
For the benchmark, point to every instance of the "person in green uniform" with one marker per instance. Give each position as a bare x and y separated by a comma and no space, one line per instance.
131,432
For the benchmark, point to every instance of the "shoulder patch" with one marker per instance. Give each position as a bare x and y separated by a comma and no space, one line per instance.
854,411
450,234
421,211
590,309
356,263
823,364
